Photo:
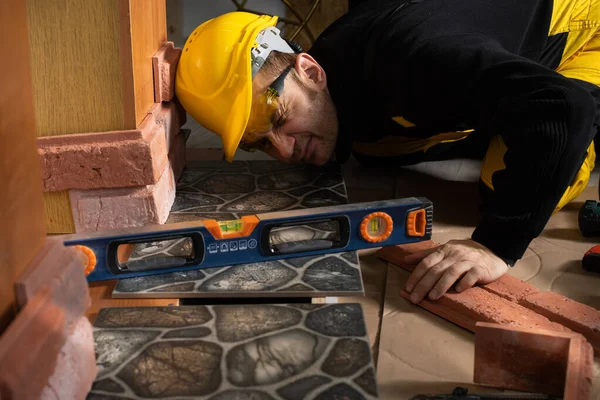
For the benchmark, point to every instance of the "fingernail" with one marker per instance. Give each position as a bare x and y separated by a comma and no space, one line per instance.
433,295
409,288
414,298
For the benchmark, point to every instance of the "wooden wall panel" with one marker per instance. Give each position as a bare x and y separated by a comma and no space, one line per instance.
75,66
21,207
92,72
148,34
77,78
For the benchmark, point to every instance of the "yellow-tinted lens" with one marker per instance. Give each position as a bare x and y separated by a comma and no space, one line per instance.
261,117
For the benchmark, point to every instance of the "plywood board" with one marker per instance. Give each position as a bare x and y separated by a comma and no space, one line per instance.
226,191
234,351
21,207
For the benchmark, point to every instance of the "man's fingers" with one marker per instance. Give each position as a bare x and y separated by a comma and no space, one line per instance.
429,280
449,278
470,279
417,257
424,265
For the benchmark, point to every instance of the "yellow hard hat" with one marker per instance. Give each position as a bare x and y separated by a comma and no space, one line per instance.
215,71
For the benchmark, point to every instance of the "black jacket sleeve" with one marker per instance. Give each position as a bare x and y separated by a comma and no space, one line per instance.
546,121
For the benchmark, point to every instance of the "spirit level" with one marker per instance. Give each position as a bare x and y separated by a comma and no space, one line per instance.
256,238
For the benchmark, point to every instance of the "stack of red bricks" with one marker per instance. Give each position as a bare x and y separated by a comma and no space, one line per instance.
521,333
122,178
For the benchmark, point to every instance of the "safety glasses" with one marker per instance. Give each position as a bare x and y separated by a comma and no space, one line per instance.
262,115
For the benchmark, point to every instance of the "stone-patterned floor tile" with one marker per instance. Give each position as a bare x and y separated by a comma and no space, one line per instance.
327,275
311,351
225,191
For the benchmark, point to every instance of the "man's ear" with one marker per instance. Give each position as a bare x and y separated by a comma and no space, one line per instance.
310,71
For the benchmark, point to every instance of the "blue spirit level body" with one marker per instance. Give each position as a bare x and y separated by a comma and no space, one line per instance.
258,238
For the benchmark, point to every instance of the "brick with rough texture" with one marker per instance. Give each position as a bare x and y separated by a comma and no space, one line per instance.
107,209
511,288
577,316
478,305
164,66
112,159
75,366
579,371
62,270
29,348
530,360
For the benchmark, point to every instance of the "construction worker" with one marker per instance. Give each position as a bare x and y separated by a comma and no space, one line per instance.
401,82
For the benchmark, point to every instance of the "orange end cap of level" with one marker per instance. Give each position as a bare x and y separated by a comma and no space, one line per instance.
416,223
250,222
91,256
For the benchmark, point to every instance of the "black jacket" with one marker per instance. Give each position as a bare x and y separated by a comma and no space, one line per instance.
450,65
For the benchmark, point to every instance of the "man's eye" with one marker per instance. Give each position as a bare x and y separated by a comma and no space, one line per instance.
279,119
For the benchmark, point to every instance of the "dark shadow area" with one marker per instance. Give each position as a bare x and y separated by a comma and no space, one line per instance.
243,300
454,202
409,389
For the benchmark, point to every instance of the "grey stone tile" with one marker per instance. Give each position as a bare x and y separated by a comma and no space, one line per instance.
226,191
233,352
326,275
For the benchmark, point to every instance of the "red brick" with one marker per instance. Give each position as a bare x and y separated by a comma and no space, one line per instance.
164,66
61,269
478,305
577,316
76,368
107,209
29,348
579,371
511,288
395,254
530,360
112,159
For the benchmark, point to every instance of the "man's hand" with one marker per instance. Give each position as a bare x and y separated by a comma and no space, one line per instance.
464,261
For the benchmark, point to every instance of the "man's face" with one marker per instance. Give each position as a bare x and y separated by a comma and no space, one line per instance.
304,124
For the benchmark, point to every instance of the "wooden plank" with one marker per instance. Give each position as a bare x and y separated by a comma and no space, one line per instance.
148,34
57,212
21,206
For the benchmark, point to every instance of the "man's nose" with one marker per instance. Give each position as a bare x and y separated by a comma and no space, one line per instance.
283,143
